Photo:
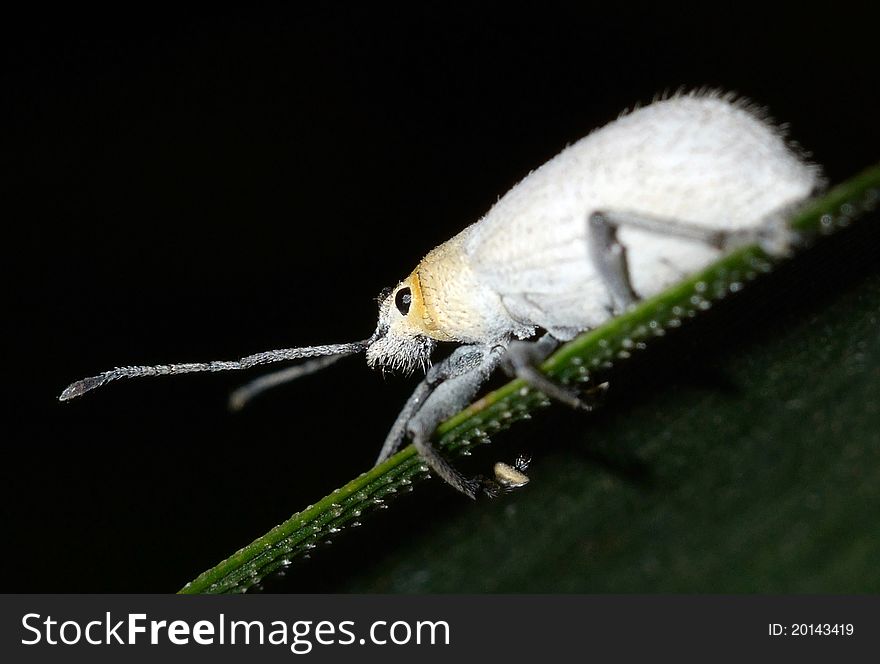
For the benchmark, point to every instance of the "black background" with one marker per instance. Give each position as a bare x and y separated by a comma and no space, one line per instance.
201,187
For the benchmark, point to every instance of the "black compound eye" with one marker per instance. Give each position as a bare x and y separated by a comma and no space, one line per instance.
402,300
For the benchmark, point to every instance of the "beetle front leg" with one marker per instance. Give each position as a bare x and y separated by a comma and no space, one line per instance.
397,435
462,360
462,377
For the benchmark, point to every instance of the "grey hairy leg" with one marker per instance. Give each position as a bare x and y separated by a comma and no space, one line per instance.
396,436
456,384
609,256
523,358
462,360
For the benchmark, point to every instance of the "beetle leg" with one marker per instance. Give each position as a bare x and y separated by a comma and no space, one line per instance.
609,258
456,381
609,255
523,358
457,363
397,435
445,470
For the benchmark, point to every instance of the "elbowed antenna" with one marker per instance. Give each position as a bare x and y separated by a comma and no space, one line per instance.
80,387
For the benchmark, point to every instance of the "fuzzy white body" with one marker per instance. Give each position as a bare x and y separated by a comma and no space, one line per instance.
699,159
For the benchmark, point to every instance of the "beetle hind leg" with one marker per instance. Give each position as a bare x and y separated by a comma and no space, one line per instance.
609,257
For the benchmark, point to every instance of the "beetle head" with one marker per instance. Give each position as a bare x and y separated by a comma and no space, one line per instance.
400,342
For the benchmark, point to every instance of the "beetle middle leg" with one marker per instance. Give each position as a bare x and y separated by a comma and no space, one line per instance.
524,357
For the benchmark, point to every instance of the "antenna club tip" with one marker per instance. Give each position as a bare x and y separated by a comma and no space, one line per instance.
71,391
80,387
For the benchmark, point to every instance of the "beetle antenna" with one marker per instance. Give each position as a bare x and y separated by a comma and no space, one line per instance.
244,394
80,387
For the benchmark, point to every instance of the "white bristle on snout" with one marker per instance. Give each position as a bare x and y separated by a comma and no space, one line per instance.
80,387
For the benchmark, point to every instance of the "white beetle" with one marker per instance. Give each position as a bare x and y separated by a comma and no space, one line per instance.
623,213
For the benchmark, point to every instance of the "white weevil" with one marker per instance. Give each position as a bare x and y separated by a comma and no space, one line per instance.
623,213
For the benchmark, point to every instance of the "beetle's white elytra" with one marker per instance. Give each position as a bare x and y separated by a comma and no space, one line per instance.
706,160
621,214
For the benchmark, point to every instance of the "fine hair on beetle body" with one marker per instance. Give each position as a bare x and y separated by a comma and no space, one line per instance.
632,208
